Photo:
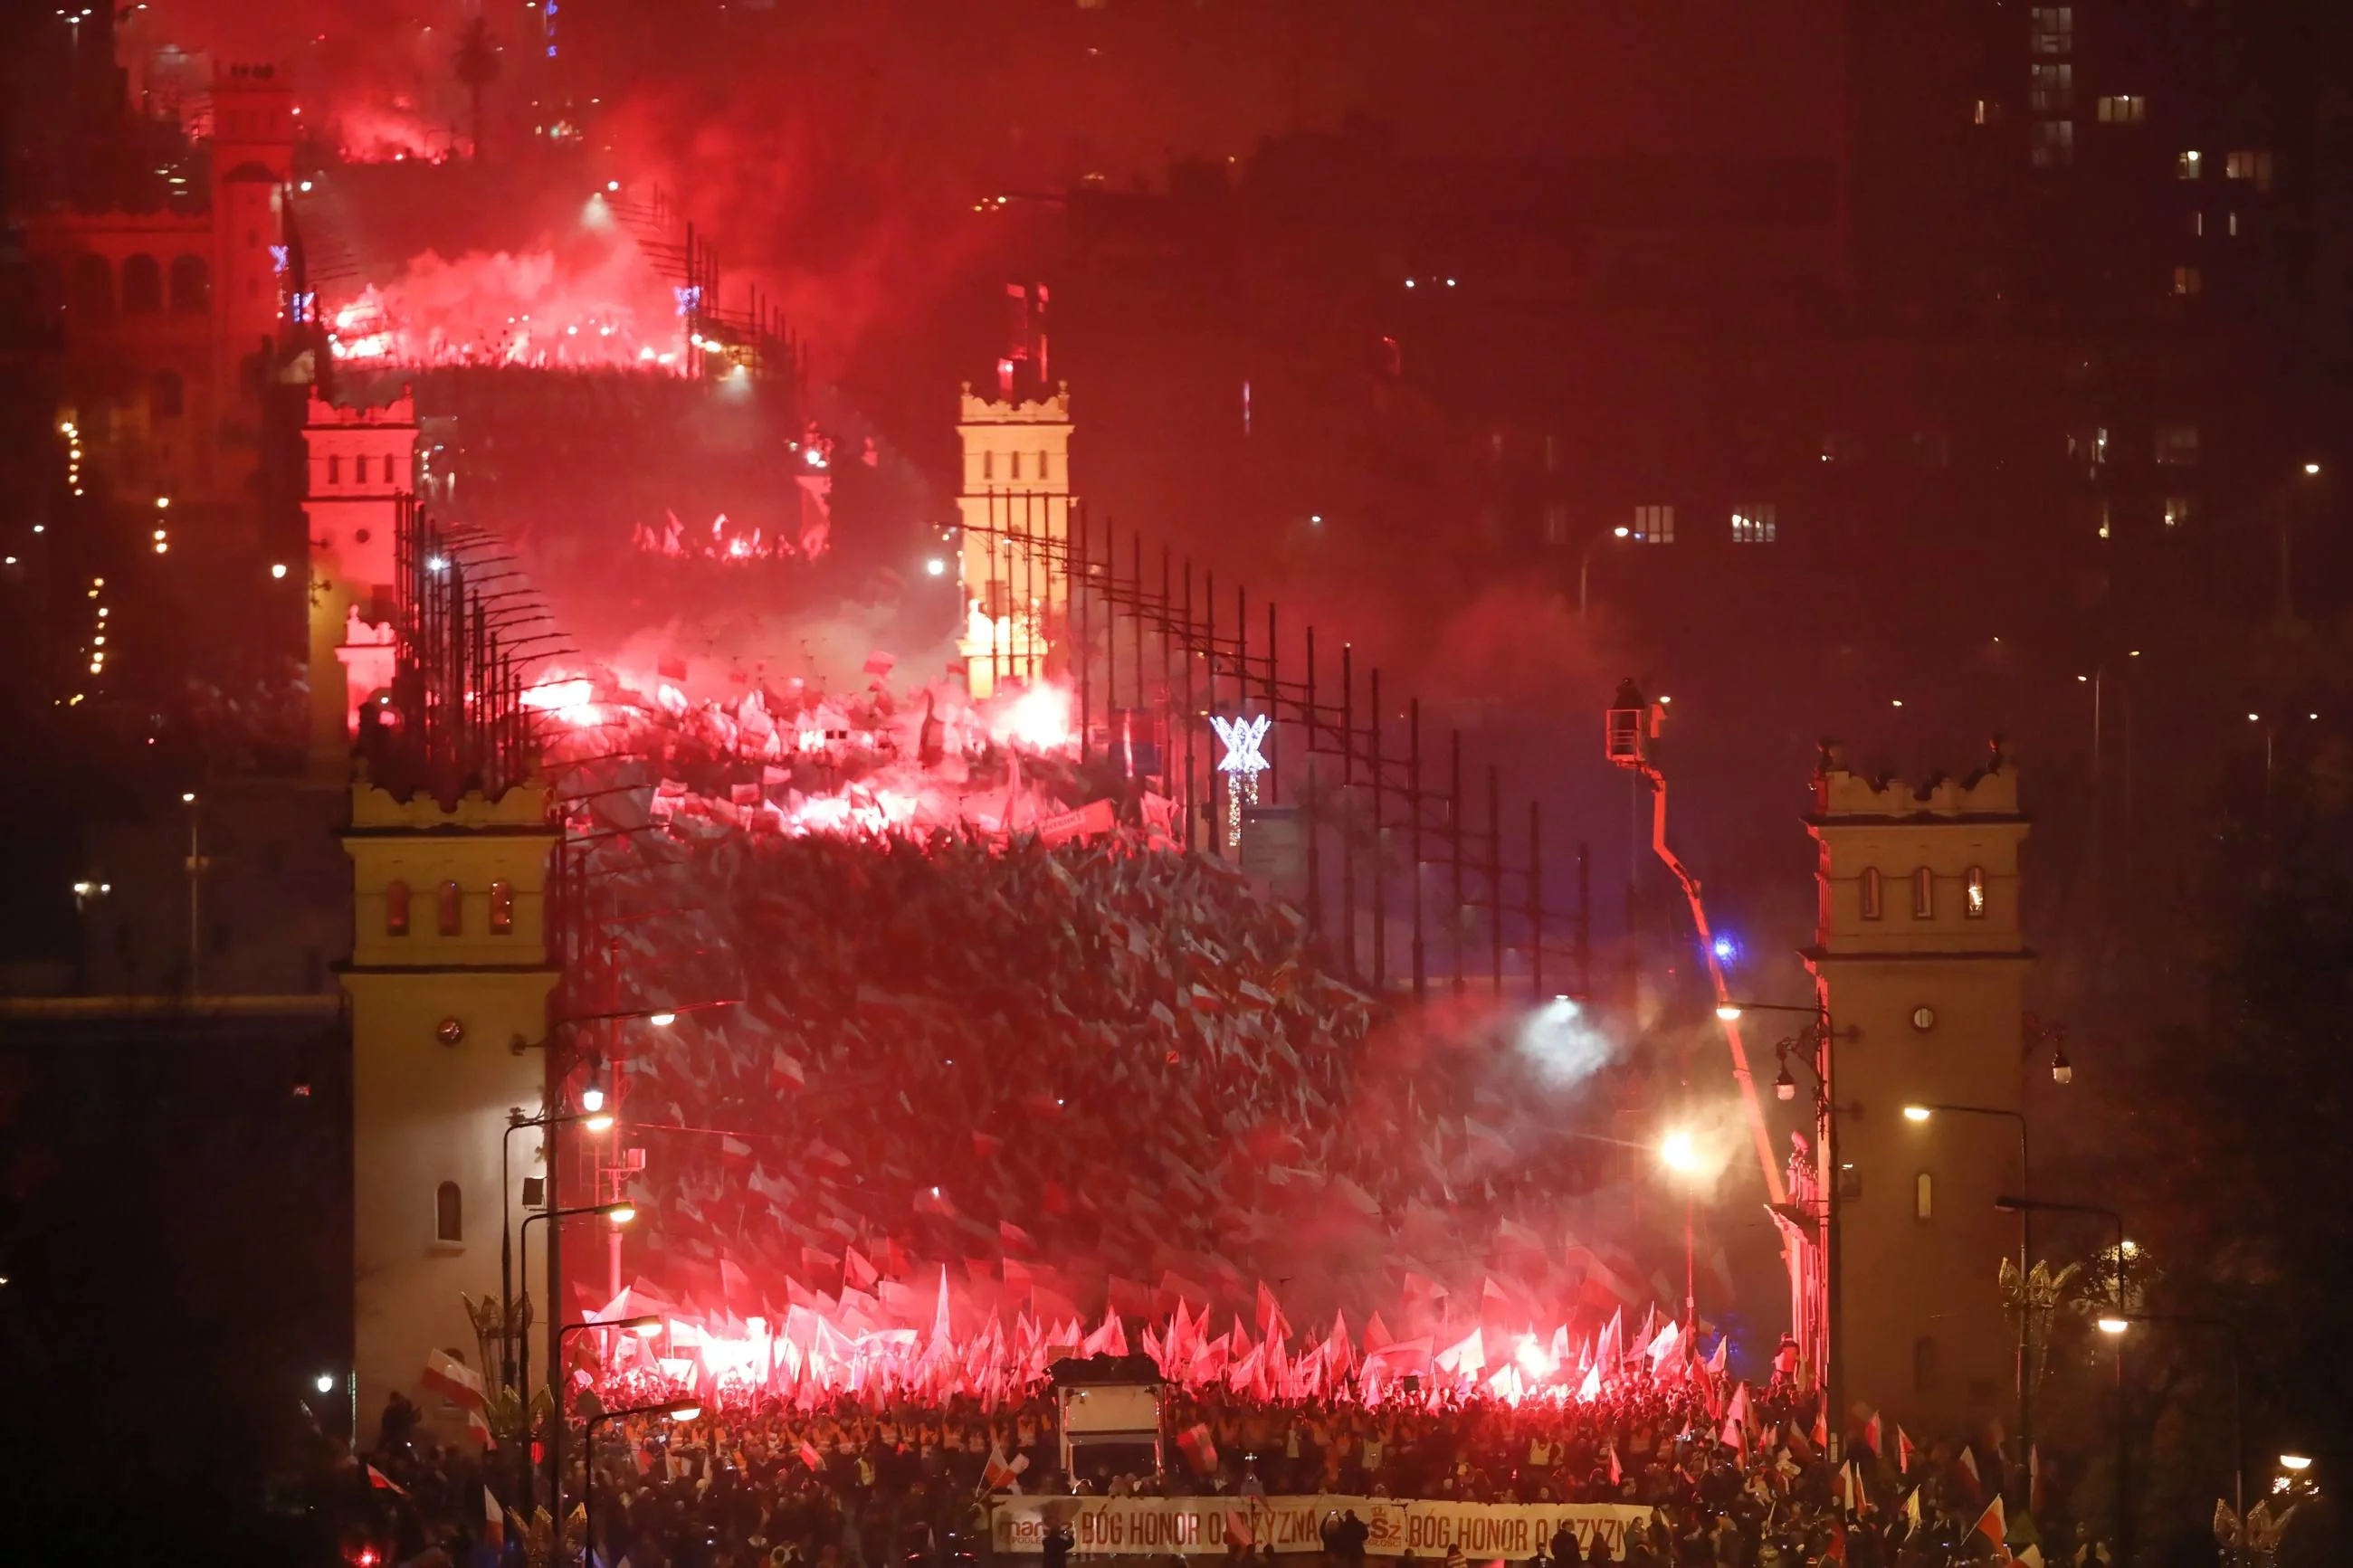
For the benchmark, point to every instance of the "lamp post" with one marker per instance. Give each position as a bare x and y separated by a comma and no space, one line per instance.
1680,1154
2118,1326
1585,566
2021,1204
676,1409
645,1326
1920,1114
1820,1038
597,1121
618,1214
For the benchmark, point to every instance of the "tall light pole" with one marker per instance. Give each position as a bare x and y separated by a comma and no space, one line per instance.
1585,566
617,1214
595,1121
1816,1047
195,891
2021,1204
2116,1327
1679,1154
1919,1114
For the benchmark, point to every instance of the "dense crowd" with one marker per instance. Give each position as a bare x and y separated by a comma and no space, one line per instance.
854,1487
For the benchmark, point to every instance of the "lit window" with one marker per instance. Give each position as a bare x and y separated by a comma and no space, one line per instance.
1924,894
1556,522
1843,447
1976,906
2054,143
2186,281
2187,165
2254,166
396,909
1867,894
2087,446
1924,1197
2234,225
1988,111
1754,523
2054,89
449,1212
2052,29
2126,109
452,910
2179,509
501,907
2176,446
1654,524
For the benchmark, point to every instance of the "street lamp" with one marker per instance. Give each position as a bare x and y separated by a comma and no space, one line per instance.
516,1120
2112,1323
618,1214
1678,1152
676,1409
1821,1036
1918,1114
2238,1428
1585,567
645,1326
2296,1462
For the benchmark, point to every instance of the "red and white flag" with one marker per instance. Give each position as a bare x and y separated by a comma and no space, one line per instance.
382,1482
1001,1472
1905,1451
1995,1527
453,1379
1872,1435
1970,1481
1199,1451
810,1456
494,1520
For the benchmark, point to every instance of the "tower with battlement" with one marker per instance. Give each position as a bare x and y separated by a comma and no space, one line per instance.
1016,507
1922,962
360,463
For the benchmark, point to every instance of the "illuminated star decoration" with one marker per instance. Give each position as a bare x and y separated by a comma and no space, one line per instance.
1241,764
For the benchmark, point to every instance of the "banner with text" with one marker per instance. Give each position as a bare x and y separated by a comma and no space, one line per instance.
1164,1526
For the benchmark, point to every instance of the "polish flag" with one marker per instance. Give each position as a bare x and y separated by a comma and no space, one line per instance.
1905,1451
810,1456
452,1379
1001,1472
495,1521
1970,1479
1995,1527
1199,1451
1871,1434
382,1482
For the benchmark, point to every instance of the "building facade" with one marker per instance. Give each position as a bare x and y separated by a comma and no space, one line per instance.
1922,962
1015,504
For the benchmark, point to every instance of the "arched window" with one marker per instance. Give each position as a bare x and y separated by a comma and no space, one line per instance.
396,909
359,469
192,285
449,1212
1923,1365
1974,905
1924,894
334,469
89,288
1924,1197
167,395
1042,471
1017,465
501,907
1869,891
142,285
453,910
988,465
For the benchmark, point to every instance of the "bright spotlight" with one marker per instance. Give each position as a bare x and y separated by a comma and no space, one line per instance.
1727,1011
324,1382
2113,1325
1917,1113
621,1214
2295,1461
1677,1153
592,1098
936,567
662,1020
278,569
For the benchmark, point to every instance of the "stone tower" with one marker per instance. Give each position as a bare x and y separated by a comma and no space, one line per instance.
361,467
449,983
1919,952
1017,479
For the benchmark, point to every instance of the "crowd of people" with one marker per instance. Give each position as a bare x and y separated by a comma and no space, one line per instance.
855,1486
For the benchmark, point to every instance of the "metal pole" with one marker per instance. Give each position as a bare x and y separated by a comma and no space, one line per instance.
1535,902
1273,701
1348,801
1184,717
1380,868
1413,840
1215,784
1495,882
1454,843
195,895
